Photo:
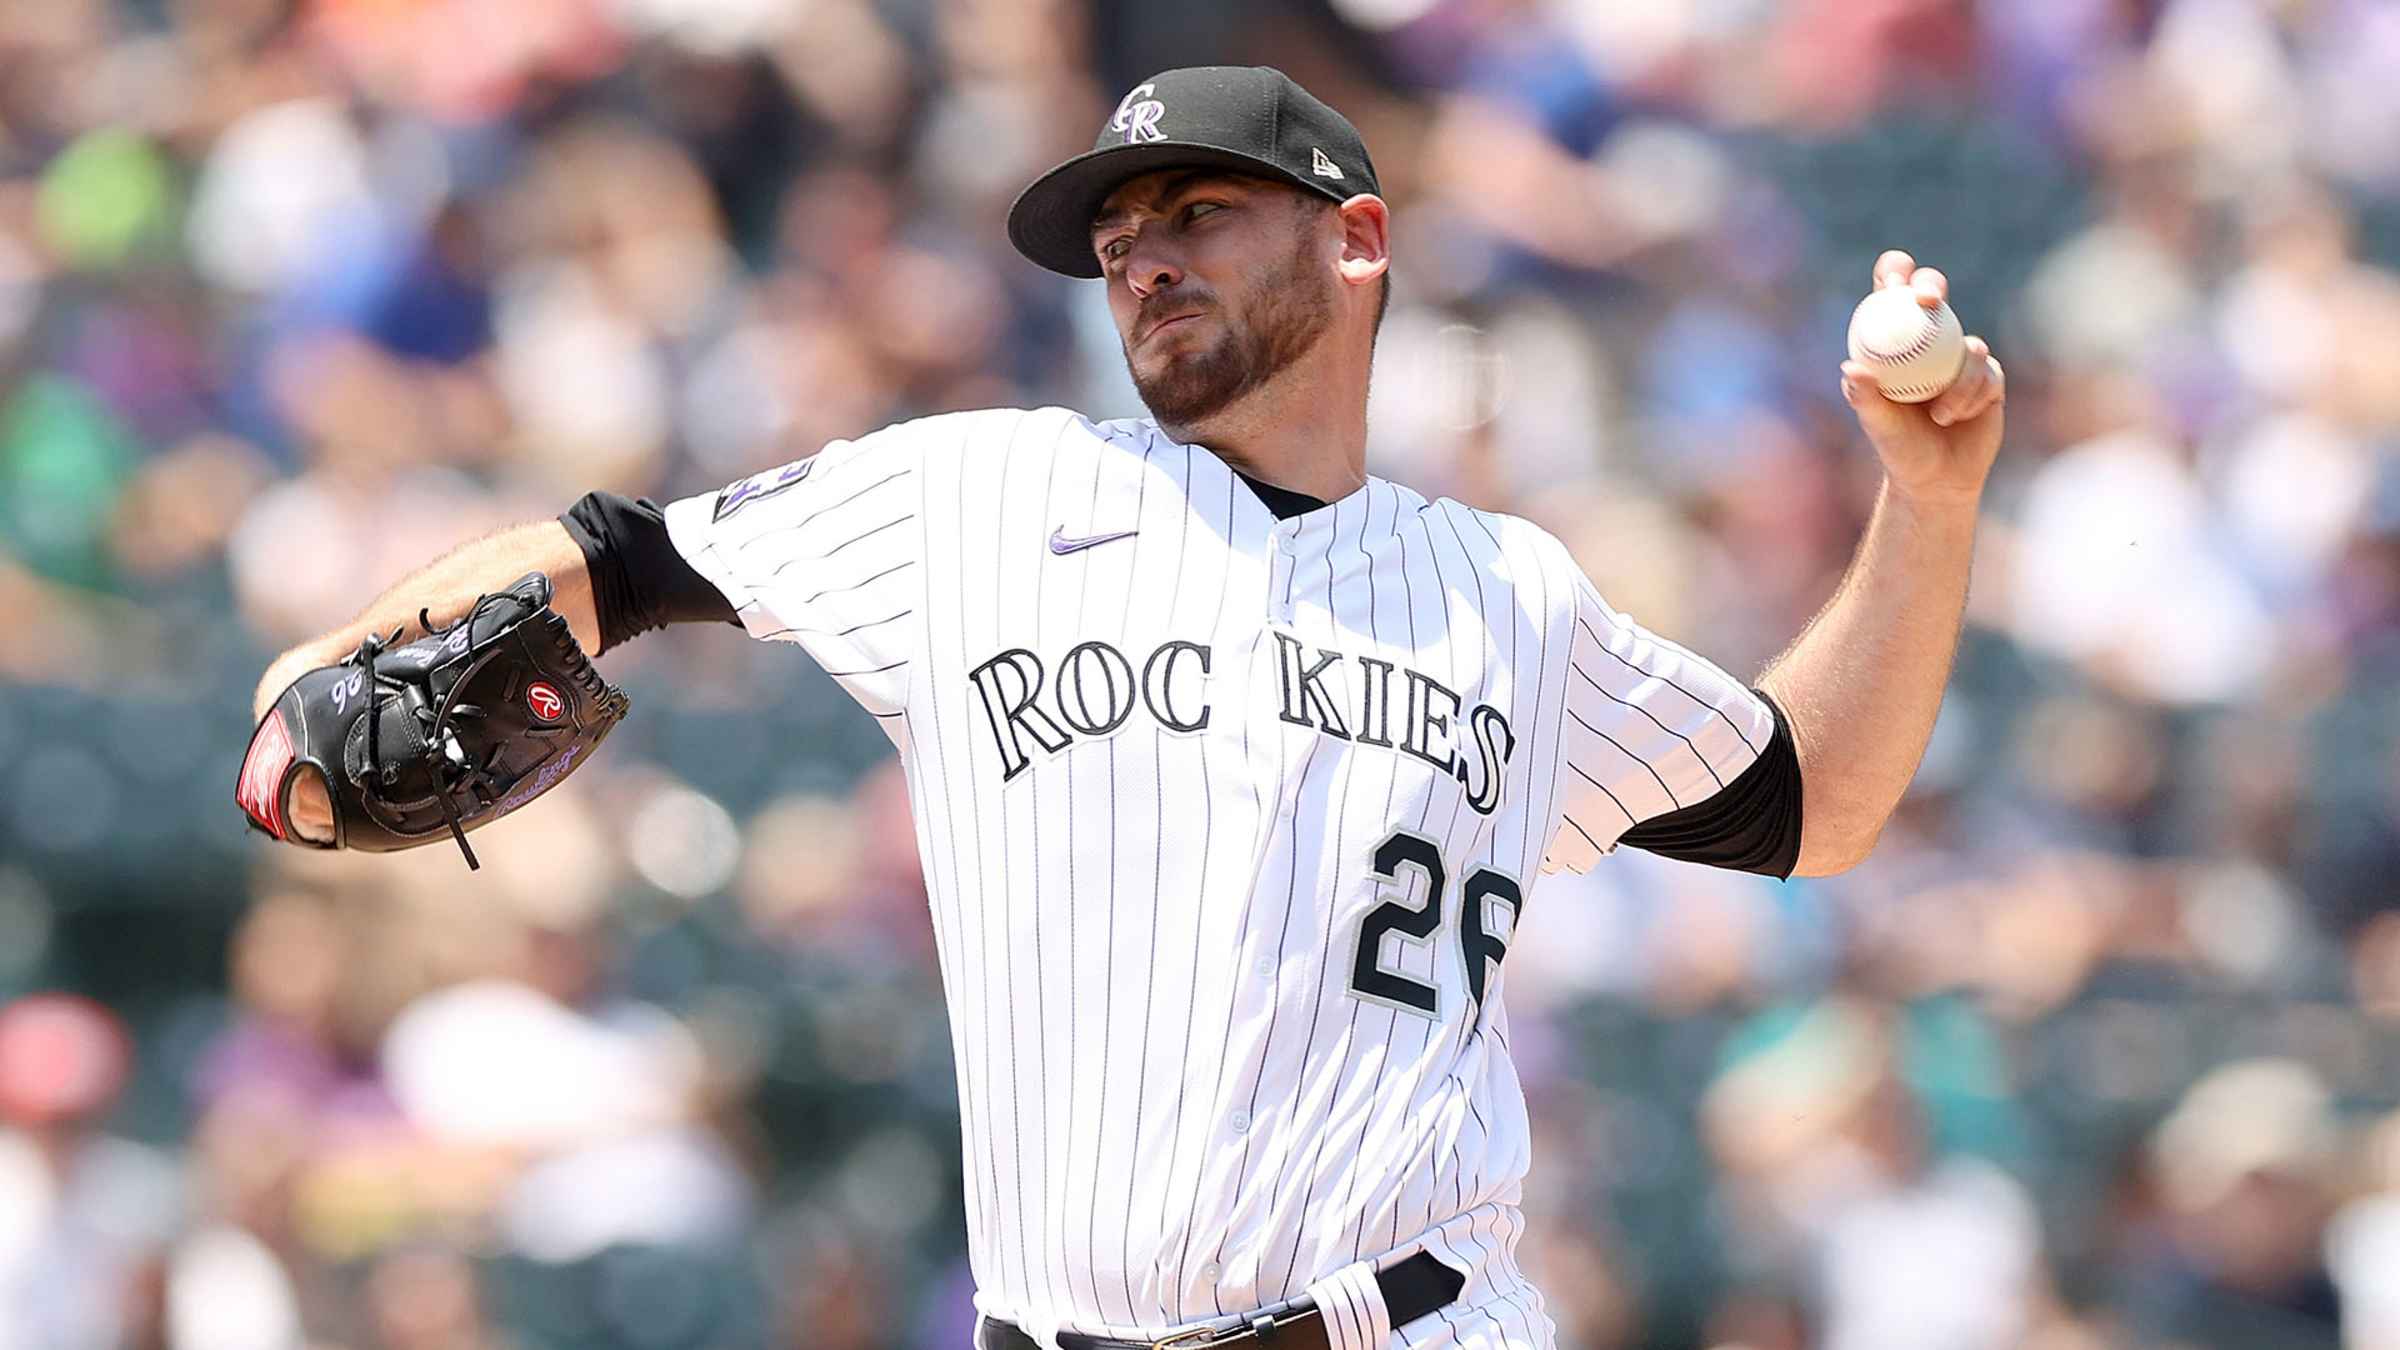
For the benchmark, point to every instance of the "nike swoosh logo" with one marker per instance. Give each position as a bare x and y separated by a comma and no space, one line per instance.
1061,544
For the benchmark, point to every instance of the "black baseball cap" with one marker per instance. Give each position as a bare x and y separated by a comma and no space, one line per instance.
1246,119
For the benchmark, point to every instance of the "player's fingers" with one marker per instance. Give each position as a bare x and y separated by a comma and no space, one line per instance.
1858,380
311,808
1894,268
1995,380
1985,399
1991,391
1995,385
1931,286
1965,396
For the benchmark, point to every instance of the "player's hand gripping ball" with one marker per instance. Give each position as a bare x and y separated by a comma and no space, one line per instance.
1930,399
1915,352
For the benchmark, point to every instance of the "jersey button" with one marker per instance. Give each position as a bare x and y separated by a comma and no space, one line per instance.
1266,967
1241,1122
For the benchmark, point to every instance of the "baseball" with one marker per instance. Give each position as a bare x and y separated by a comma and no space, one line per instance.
1915,352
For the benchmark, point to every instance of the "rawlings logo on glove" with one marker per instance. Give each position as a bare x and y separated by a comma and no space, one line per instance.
445,734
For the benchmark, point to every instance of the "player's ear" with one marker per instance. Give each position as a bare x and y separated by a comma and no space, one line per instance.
1366,239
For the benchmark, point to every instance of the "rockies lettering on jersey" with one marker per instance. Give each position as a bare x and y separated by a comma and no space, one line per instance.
1011,685
1227,823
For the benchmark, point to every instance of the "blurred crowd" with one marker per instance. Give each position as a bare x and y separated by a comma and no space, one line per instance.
2102,1048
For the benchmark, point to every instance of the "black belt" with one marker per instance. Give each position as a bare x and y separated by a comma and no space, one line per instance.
1411,1289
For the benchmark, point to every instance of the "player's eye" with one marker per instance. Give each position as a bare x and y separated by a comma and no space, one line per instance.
1197,209
1115,248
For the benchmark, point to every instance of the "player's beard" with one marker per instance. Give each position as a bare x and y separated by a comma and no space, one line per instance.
1291,310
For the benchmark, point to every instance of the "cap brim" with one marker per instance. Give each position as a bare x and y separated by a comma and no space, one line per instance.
1051,222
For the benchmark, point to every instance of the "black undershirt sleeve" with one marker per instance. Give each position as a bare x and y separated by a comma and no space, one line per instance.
640,583
1751,825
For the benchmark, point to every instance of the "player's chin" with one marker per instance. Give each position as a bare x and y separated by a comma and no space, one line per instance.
1157,361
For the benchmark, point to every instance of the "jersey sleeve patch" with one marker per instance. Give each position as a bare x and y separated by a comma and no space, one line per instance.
823,553
757,486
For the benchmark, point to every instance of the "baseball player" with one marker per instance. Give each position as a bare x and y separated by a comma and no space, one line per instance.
1234,767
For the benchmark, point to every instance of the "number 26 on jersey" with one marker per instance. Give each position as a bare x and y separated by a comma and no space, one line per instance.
1479,948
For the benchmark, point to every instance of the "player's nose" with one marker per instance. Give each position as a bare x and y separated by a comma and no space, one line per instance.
1150,269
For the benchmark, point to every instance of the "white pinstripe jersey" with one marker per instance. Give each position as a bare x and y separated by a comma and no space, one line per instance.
1226,824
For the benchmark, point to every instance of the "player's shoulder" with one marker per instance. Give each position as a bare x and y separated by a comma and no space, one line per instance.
1008,430
965,428
983,424
1512,536
884,455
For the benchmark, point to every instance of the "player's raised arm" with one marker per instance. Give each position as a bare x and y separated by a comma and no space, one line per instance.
603,572
614,575
1863,681
442,590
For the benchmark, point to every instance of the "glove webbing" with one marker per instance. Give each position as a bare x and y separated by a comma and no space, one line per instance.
438,738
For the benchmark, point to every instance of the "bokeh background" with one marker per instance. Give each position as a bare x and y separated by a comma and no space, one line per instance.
2102,1048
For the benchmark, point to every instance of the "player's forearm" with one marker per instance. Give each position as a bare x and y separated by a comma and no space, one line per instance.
445,589
1863,682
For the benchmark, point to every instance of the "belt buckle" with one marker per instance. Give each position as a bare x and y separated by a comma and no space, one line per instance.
1195,1337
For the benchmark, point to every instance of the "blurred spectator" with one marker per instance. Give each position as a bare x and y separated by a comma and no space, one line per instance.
1838,1188
2363,1245
85,1217
2244,1168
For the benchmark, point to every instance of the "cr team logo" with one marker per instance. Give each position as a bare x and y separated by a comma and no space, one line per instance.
1137,117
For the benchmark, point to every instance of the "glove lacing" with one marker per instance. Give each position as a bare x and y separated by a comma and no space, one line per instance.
445,772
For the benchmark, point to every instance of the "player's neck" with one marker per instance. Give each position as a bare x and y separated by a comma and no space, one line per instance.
1305,429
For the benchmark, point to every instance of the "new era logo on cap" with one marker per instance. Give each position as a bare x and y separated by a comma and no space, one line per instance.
1323,167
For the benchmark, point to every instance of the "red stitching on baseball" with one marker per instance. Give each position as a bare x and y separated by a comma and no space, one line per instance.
1924,340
